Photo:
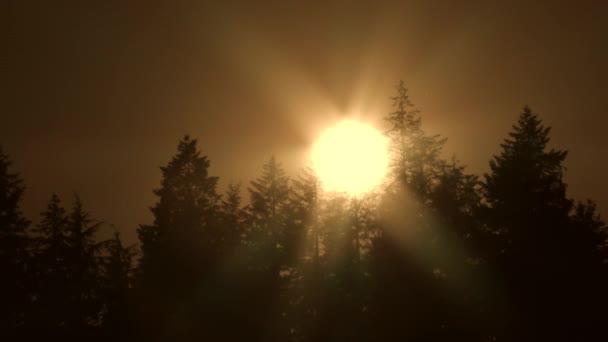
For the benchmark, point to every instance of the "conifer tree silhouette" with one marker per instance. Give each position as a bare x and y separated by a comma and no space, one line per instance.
541,257
50,264
180,250
14,243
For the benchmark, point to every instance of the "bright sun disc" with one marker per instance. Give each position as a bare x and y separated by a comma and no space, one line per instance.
350,157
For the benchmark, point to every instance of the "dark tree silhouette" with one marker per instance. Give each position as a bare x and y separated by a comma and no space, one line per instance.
14,256
541,257
270,223
305,200
180,249
422,260
233,219
414,153
526,178
82,262
50,264
305,287
68,297
117,285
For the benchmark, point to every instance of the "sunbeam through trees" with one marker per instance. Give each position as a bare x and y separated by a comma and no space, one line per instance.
433,253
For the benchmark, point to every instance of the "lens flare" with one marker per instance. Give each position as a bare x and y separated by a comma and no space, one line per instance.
350,157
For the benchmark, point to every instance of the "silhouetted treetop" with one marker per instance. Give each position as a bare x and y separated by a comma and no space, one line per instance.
12,220
13,247
270,192
404,119
186,183
414,153
187,202
525,173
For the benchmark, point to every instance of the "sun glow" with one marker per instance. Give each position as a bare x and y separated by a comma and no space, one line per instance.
350,157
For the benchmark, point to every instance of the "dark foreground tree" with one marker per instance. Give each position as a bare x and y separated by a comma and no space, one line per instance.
270,227
50,260
414,153
70,295
545,260
14,256
83,261
116,289
180,250
420,260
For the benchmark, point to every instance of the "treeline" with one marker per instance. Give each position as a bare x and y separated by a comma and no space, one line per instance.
434,254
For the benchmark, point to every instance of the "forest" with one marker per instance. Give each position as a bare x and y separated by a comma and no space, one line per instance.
433,254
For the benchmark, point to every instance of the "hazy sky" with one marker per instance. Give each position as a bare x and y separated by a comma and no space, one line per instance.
95,97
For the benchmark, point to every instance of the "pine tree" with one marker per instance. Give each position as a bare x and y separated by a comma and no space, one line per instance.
526,180
50,266
414,154
14,244
426,226
593,231
269,210
181,249
117,272
584,271
82,262
271,223
186,210
233,218
541,249
304,289
305,198
455,197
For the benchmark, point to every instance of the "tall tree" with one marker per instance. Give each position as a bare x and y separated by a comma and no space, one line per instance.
84,302
305,199
14,254
587,220
538,252
525,181
269,210
271,224
180,249
427,216
117,276
50,266
304,289
233,218
186,209
414,153
584,269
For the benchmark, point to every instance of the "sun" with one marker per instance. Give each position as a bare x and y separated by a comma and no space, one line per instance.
351,157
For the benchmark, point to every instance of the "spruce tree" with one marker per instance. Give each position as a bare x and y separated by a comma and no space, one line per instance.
117,275
14,244
414,153
427,223
50,266
305,239
186,209
269,210
304,290
233,218
84,302
584,271
271,223
542,255
526,179
180,249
